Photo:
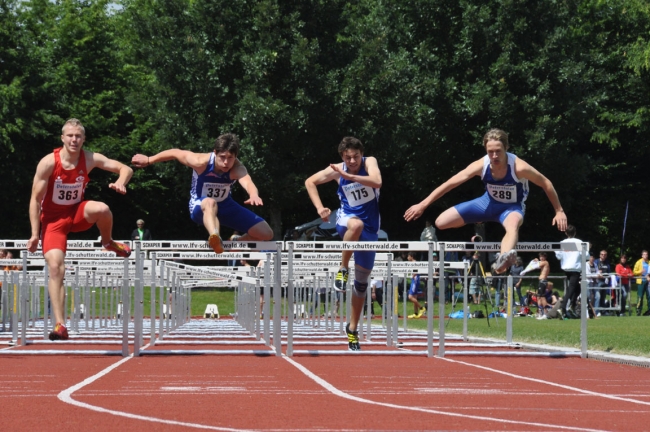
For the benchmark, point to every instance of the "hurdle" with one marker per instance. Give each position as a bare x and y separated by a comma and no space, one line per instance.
25,297
306,268
520,247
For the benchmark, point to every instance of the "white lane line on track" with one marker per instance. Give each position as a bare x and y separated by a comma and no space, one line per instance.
329,387
66,396
536,380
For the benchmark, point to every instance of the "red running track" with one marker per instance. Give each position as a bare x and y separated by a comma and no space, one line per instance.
321,393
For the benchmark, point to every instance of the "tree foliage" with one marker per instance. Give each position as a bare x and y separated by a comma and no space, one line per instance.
419,82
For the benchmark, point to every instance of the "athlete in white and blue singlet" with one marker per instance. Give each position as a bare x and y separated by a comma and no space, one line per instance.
211,203
506,187
357,219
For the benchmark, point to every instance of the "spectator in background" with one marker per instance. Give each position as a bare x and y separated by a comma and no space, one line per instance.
572,265
377,295
603,267
141,233
428,235
429,232
624,272
544,288
592,275
476,278
515,272
414,291
641,268
233,262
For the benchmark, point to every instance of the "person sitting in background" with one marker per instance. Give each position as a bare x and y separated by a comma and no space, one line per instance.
141,233
556,310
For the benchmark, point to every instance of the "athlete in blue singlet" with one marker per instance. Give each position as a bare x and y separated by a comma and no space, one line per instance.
211,203
506,187
358,219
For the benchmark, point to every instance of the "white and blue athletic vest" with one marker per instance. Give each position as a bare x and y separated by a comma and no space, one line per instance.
359,200
210,184
508,190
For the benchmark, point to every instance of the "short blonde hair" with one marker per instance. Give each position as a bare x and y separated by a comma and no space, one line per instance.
139,221
74,122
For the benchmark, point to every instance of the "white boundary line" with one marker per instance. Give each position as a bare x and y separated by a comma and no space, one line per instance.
536,380
66,397
329,387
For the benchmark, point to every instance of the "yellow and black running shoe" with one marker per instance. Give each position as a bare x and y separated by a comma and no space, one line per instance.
353,339
341,280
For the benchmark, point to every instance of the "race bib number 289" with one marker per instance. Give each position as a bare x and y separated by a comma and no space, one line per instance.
503,193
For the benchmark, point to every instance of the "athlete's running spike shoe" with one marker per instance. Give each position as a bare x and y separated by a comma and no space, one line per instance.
341,280
120,249
504,261
59,332
215,243
421,312
353,339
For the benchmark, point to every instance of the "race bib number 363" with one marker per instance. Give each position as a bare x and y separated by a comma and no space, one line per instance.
503,193
67,194
358,194
216,191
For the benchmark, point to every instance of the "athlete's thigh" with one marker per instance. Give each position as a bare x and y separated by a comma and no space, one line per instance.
474,211
79,222
366,259
196,212
511,216
54,232
237,217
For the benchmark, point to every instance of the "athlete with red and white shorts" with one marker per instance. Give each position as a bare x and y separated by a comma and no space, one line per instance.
57,207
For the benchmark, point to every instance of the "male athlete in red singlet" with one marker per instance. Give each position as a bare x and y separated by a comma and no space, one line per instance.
57,207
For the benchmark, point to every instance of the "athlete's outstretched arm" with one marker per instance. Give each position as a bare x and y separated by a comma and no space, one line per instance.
39,188
196,161
473,169
525,170
102,162
253,194
323,176
373,179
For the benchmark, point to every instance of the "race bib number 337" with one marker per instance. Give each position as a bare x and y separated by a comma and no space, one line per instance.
216,191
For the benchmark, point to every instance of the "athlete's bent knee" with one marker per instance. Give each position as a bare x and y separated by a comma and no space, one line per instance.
361,276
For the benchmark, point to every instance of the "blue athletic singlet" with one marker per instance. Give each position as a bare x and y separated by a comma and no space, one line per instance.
501,197
359,201
509,189
210,184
